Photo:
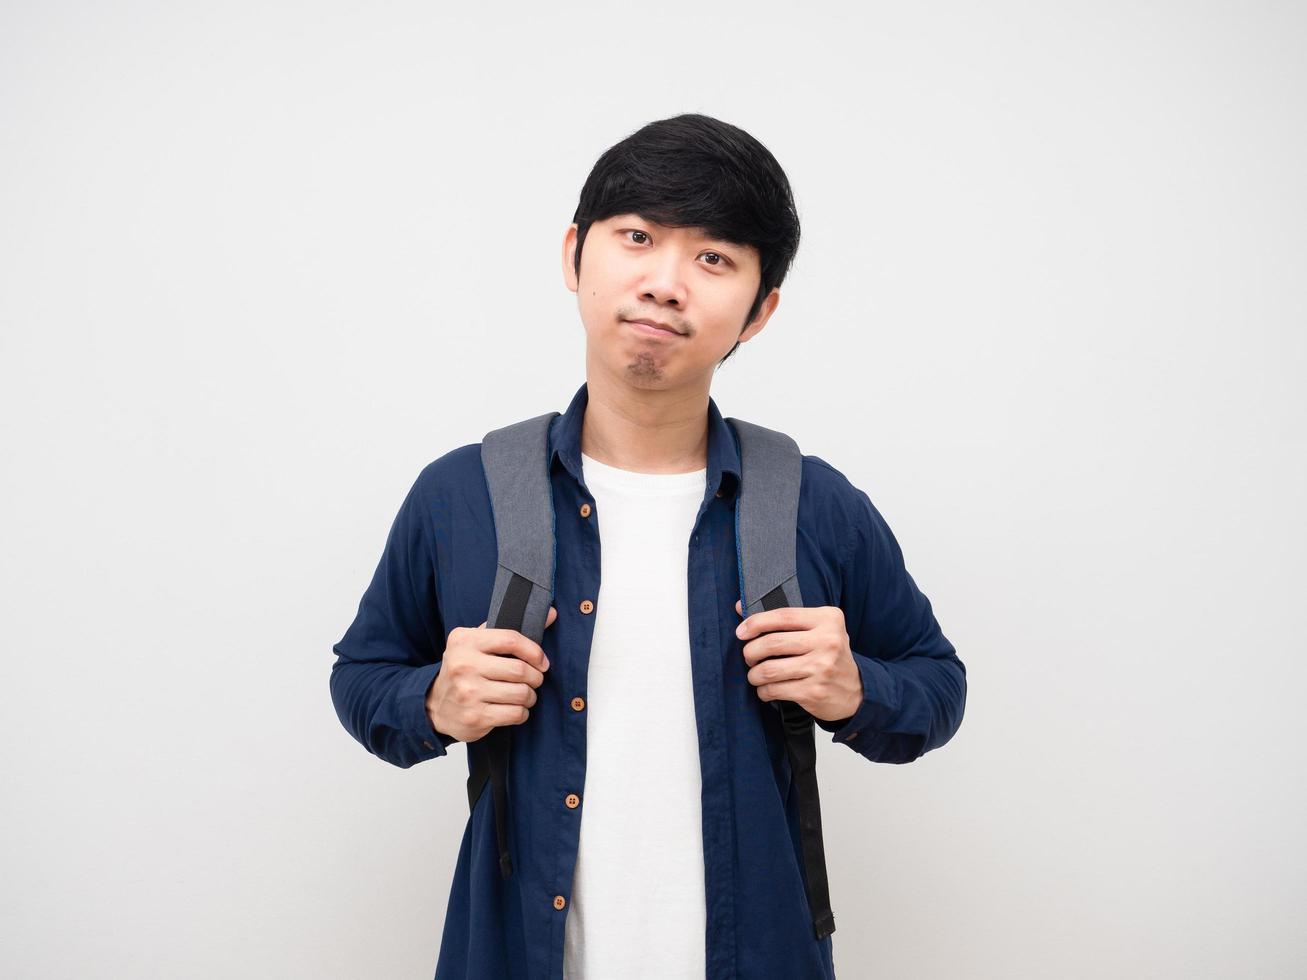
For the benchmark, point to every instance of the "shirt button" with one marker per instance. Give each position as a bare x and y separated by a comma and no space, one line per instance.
851,737
573,801
585,510
578,704
720,494
427,744
559,901
587,606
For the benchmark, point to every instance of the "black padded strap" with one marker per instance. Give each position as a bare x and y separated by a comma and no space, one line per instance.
802,749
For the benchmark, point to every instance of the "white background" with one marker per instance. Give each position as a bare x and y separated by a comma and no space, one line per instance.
262,262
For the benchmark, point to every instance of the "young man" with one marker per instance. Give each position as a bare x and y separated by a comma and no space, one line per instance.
652,816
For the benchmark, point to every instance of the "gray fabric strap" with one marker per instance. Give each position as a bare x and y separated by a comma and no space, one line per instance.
767,515
515,460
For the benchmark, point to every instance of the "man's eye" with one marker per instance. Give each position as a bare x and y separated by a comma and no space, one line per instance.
640,237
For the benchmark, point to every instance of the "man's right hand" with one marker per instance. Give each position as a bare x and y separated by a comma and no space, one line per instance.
487,678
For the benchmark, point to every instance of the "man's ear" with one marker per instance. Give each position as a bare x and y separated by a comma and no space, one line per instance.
569,258
765,311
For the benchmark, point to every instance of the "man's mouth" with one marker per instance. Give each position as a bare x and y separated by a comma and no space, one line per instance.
652,328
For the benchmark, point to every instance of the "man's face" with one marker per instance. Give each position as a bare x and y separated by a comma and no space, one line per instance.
633,269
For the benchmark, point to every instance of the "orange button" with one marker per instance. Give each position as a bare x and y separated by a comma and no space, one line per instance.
578,704
573,801
587,606
720,494
427,744
559,901
851,737
585,510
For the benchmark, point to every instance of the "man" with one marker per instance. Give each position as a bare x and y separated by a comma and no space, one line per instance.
653,820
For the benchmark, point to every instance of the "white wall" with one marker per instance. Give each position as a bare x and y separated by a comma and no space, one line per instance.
261,263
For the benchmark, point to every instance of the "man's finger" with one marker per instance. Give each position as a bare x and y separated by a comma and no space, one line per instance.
510,643
772,620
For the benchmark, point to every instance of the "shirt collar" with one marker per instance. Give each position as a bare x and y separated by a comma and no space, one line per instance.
723,450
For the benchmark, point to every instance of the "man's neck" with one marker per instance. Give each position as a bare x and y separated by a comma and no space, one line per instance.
646,431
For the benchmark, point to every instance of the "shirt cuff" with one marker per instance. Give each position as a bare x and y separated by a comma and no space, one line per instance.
876,683
426,742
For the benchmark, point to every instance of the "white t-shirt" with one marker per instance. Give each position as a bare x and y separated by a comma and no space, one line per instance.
637,908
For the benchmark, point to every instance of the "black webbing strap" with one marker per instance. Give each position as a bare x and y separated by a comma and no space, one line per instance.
490,753
802,748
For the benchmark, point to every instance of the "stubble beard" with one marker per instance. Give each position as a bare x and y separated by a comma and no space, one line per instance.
645,367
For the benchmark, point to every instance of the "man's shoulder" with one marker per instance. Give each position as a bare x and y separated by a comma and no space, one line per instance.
825,484
831,506
456,472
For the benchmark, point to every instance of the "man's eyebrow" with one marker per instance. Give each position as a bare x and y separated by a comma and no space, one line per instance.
717,240
709,237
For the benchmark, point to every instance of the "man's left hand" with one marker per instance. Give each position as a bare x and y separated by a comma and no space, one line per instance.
802,654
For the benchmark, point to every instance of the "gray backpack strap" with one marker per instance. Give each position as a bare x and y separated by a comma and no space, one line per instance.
515,460
766,536
766,518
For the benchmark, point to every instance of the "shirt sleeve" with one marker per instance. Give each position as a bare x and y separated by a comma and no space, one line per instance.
914,687
390,655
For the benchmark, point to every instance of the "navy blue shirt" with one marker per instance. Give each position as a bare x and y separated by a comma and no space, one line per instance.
436,572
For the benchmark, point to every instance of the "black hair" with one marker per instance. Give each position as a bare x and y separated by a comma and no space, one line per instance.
694,171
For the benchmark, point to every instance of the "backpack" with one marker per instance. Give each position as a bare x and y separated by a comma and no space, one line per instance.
514,459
